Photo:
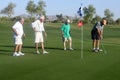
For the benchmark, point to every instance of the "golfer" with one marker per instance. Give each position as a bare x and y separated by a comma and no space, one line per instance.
38,27
97,34
17,28
65,29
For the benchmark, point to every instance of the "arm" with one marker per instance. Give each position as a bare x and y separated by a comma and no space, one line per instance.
100,29
24,35
62,32
100,32
62,28
45,34
34,29
14,30
34,24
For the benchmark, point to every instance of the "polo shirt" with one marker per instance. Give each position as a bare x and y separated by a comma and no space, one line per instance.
19,29
66,30
38,26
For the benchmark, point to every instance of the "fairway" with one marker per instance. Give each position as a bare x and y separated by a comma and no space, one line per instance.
60,64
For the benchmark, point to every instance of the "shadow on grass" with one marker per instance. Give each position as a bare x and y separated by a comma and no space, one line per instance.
11,46
6,49
51,48
54,48
6,52
6,46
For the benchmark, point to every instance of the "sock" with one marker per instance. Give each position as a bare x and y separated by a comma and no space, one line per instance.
98,48
93,48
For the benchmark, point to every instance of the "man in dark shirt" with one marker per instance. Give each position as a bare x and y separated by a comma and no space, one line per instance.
97,34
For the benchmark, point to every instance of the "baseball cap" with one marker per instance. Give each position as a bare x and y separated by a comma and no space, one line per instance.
68,20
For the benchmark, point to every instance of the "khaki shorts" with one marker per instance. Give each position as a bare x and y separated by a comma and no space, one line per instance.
18,40
38,37
66,39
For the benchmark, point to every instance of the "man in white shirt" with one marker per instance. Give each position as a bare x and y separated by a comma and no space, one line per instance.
18,34
38,27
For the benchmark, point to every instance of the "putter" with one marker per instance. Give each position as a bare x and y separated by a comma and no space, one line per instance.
104,50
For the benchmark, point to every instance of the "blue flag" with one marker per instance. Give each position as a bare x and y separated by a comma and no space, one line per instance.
80,11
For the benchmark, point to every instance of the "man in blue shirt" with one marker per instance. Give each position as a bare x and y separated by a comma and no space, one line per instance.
97,34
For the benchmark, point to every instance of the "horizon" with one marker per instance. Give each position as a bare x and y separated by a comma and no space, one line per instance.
66,7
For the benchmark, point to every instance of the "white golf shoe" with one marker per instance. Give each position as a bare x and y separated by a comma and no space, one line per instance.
45,52
71,49
16,54
20,53
37,52
100,50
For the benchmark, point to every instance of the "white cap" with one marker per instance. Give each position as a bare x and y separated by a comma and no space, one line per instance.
68,20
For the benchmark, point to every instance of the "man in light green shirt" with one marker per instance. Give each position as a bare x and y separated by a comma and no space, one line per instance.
66,34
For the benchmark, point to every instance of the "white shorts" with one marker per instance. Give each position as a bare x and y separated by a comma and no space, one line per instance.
66,39
18,40
38,37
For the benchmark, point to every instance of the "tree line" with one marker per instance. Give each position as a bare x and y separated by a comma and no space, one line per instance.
35,10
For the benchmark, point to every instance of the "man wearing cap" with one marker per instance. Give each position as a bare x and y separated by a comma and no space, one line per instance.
38,27
97,34
65,28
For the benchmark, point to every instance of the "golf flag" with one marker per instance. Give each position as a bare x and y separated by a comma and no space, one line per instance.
80,24
80,11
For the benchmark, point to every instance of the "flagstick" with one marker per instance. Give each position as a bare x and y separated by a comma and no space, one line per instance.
82,42
80,14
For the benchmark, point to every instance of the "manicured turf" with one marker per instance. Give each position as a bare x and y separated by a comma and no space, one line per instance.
60,64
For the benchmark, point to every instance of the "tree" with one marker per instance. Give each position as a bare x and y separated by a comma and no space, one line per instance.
67,17
9,10
88,13
31,7
76,19
36,10
96,18
118,21
108,14
59,17
40,9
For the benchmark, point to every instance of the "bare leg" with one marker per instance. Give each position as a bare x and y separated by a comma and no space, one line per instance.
36,46
20,47
64,44
70,43
42,45
16,48
94,44
98,44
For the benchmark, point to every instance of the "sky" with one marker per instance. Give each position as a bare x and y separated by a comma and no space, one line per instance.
66,7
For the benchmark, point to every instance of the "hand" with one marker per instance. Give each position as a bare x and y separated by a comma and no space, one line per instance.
16,34
45,34
24,35
62,34
35,31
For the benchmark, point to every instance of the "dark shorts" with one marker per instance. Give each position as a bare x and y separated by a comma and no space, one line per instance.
95,35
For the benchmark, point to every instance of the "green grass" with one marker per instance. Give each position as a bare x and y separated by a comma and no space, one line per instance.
60,64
